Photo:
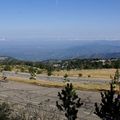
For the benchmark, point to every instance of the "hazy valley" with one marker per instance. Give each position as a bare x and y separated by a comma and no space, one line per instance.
51,49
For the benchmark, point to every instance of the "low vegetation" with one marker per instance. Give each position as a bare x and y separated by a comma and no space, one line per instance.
94,73
5,111
56,65
32,72
27,112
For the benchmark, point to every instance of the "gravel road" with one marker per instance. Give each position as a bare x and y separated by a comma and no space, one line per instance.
55,78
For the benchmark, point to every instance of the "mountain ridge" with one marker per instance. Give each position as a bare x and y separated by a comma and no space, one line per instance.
45,50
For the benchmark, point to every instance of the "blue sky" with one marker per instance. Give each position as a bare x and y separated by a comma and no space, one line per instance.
60,19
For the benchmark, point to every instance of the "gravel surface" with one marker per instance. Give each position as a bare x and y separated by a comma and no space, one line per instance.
55,78
20,93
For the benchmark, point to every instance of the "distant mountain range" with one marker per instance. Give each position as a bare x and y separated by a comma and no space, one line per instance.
48,49
96,49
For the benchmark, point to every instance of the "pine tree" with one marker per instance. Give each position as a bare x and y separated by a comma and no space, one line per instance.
69,102
109,108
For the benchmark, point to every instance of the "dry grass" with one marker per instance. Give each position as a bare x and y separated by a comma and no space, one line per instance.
94,73
37,82
79,86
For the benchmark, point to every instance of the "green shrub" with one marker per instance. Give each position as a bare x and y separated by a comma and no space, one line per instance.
80,75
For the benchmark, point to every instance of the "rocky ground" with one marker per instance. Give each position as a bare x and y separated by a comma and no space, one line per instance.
22,94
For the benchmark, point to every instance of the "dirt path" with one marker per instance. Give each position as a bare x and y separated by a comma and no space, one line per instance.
57,78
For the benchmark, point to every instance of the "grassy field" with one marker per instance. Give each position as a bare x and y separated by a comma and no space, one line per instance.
92,73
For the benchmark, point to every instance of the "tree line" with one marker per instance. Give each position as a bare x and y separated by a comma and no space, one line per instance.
66,64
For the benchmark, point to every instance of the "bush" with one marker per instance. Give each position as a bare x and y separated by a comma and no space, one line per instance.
49,71
7,68
32,72
80,75
22,69
39,71
89,76
65,78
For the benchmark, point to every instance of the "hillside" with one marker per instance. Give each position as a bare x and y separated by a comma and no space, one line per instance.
48,49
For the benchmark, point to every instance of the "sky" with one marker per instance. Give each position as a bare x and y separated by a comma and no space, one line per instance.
60,19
